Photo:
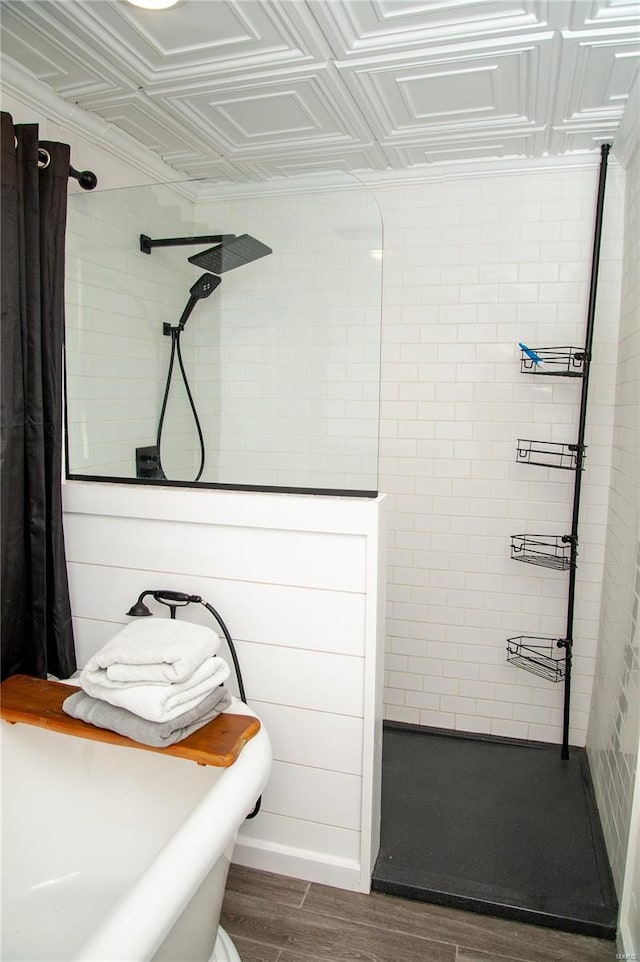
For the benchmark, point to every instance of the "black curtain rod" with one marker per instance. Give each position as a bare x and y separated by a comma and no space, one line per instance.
86,178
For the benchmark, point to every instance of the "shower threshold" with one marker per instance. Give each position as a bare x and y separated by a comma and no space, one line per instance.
493,825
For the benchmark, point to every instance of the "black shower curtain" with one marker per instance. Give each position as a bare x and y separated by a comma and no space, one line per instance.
37,634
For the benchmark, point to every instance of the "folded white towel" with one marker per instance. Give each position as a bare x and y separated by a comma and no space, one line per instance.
157,703
155,650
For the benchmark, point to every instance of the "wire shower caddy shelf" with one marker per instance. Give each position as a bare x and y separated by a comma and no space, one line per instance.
550,454
538,655
559,361
547,551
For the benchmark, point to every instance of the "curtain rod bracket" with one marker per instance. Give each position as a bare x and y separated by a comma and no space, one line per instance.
86,178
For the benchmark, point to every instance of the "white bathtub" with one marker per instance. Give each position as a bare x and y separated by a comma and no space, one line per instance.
115,854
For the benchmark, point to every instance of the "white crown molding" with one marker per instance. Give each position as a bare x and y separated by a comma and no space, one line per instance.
16,81
379,180
628,134
438,173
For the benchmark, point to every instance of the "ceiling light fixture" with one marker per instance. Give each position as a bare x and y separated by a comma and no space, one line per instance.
153,4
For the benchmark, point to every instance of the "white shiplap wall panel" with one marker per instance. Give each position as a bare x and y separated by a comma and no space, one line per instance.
246,554
304,679
314,738
314,794
296,580
289,616
90,635
276,842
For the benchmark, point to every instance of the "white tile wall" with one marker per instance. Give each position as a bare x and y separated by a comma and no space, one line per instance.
614,727
471,268
289,350
297,581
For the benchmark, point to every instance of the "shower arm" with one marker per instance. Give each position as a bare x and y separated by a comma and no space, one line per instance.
148,243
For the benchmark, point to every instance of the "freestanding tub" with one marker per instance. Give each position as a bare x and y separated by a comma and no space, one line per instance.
112,853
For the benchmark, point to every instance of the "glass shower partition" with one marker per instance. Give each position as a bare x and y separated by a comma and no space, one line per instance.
282,360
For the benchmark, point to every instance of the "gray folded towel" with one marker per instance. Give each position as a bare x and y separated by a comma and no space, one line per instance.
156,734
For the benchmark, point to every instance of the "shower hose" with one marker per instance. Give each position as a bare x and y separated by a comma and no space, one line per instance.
175,352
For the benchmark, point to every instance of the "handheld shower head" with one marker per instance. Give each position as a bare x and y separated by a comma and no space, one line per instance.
204,286
229,254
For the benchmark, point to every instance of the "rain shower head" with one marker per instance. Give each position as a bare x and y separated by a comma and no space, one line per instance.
235,253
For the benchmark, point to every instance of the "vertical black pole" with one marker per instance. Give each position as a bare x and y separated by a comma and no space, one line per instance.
577,486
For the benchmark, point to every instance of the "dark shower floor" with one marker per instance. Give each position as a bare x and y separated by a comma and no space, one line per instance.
502,827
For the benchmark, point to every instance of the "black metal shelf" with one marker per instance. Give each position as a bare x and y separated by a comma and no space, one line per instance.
538,655
549,551
551,454
559,361
560,552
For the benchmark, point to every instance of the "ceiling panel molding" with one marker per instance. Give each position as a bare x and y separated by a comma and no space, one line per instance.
597,73
20,83
292,163
467,94
198,38
152,125
609,12
262,116
445,150
357,28
260,88
204,166
38,34
594,77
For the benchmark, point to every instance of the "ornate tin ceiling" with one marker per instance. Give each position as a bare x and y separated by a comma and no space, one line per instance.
253,89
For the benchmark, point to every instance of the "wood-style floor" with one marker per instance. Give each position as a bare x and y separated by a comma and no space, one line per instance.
272,918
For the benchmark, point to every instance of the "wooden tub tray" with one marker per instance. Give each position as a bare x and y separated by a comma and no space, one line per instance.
36,701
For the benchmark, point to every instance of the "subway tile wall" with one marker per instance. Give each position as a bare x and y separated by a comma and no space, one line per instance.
117,299
288,348
472,267
614,725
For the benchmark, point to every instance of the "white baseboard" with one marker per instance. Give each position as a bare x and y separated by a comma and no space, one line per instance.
298,863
